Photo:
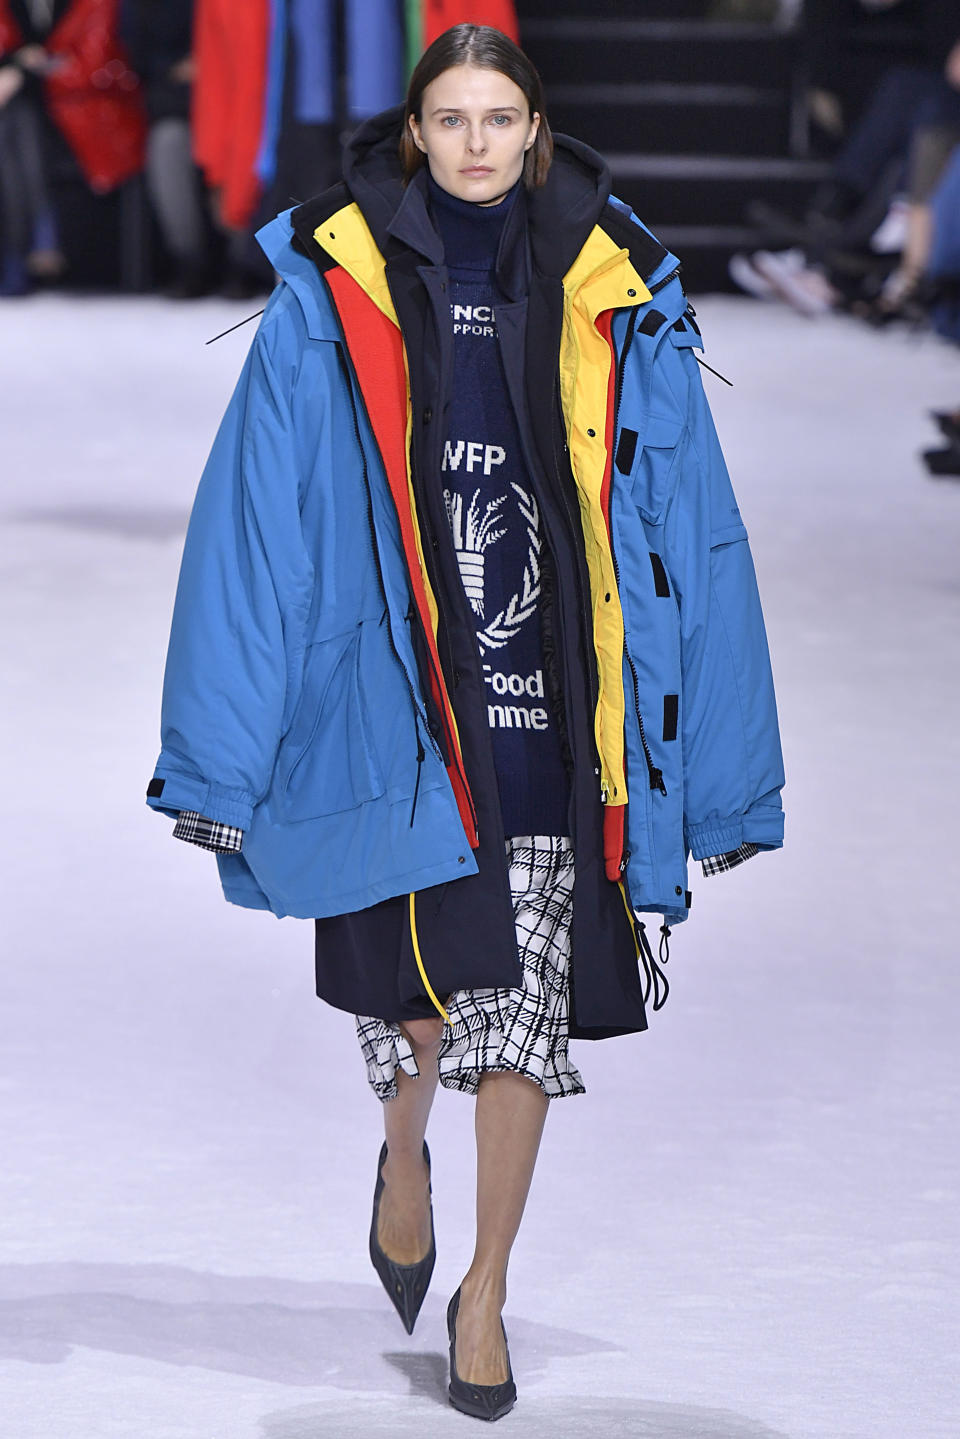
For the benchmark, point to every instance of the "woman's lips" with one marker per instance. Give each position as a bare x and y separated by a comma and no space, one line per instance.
477,170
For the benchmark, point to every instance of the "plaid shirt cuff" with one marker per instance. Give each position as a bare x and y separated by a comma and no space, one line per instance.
719,863
207,833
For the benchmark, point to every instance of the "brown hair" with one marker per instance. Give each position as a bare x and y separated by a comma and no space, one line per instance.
487,49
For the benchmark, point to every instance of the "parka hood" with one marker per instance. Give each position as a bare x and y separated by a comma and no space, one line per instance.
560,215
549,226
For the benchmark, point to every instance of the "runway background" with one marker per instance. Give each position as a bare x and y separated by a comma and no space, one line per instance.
748,1226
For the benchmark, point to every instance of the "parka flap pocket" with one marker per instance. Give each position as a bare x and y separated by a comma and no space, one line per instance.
651,463
663,432
327,763
727,534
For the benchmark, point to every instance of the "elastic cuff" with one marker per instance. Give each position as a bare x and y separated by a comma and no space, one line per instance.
172,793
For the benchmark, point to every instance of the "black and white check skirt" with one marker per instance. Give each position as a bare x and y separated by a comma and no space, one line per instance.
496,1029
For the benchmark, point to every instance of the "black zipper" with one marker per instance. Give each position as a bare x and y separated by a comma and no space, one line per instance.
656,775
673,275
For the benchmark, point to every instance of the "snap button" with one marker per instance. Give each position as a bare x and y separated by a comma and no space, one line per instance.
461,860
427,415
607,598
435,542
591,433
631,293
678,890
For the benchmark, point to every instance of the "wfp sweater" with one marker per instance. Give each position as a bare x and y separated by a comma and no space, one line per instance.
495,523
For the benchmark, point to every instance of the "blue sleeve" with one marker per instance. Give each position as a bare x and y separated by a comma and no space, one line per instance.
242,596
733,767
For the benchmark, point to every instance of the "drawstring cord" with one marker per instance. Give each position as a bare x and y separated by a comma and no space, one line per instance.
713,371
233,327
655,977
421,756
417,956
664,943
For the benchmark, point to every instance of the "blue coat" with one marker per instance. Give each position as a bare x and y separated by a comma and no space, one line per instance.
294,704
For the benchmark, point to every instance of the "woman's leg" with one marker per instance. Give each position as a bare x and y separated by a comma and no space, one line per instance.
404,1228
511,1110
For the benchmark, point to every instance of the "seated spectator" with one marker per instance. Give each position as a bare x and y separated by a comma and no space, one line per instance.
29,242
158,35
60,59
904,139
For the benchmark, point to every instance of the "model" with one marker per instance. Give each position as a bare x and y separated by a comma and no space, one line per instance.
467,655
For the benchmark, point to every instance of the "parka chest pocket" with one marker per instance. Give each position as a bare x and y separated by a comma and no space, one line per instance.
327,760
649,469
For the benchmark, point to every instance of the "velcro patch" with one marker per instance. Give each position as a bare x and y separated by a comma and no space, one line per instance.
671,713
660,581
650,323
626,450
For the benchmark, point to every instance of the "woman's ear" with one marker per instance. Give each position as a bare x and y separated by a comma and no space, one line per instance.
534,127
415,132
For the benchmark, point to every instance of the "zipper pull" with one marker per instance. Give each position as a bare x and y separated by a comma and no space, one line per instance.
656,780
421,756
625,861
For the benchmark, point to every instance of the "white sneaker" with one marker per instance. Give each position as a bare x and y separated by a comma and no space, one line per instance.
743,273
793,280
890,236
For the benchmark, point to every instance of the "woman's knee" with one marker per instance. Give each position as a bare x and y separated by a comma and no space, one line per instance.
423,1034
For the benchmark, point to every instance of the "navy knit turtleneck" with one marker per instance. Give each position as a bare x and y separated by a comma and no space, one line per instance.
470,232
495,521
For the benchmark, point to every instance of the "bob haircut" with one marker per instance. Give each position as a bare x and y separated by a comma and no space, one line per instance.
487,49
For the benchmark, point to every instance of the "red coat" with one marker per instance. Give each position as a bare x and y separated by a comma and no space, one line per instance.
92,95
230,50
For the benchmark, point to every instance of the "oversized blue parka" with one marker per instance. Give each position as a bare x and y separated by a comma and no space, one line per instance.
323,688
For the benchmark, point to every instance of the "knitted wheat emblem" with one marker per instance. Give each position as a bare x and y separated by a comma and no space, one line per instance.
471,536
475,533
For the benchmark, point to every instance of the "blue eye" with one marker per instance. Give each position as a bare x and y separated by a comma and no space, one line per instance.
454,119
497,119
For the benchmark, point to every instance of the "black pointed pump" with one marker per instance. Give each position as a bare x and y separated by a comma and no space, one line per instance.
406,1284
482,1401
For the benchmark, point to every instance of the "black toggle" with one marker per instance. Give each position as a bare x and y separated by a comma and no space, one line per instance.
664,943
155,788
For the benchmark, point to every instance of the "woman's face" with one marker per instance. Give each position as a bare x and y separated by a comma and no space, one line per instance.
475,128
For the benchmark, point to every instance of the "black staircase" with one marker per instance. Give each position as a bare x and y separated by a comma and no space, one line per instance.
697,117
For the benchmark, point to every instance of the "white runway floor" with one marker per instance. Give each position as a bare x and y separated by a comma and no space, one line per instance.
748,1227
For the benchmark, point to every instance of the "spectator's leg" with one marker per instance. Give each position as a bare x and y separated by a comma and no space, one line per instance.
16,184
174,188
882,135
44,256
